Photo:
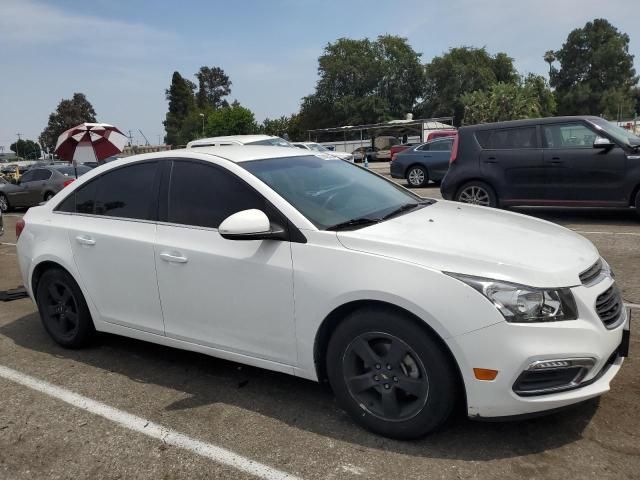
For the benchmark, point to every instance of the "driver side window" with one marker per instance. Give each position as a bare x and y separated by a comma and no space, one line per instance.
204,195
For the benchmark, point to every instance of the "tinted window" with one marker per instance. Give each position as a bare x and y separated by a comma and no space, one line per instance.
506,138
41,174
204,195
127,192
426,146
27,177
568,135
442,146
85,198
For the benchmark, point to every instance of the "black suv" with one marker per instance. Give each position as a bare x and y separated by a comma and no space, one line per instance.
559,161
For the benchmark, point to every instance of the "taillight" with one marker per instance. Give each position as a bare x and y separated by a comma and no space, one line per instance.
67,182
19,228
393,157
454,149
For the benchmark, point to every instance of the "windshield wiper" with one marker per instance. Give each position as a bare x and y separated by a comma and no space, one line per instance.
354,222
405,208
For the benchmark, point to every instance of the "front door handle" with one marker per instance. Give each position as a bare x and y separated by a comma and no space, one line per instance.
173,257
85,240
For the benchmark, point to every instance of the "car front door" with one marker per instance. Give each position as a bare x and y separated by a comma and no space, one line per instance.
577,172
233,295
511,161
36,186
112,233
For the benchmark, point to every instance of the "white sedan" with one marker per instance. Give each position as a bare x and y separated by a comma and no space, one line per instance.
319,268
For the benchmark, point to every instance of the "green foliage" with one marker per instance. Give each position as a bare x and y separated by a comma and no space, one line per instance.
527,98
232,120
26,149
285,126
363,81
458,72
181,104
213,86
69,113
596,72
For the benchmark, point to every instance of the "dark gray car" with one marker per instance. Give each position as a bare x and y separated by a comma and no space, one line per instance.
37,185
429,161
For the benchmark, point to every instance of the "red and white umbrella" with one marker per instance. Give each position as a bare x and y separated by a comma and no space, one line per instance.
90,142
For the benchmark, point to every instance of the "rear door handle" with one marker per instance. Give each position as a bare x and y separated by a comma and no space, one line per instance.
490,160
173,257
85,240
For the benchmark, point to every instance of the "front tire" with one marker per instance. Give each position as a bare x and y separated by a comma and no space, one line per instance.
390,374
63,309
417,176
477,193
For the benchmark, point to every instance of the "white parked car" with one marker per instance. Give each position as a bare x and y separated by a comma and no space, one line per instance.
322,269
268,140
318,148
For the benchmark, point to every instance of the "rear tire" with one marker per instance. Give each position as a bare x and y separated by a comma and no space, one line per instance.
4,203
390,374
417,176
476,192
63,309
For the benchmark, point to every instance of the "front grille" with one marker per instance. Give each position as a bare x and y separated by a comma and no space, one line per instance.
591,273
609,306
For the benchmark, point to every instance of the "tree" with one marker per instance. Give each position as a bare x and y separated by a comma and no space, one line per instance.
596,72
181,102
459,71
69,113
289,126
363,81
26,149
528,98
213,86
232,120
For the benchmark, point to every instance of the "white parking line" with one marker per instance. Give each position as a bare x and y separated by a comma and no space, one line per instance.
610,233
151,429
7,243
632,305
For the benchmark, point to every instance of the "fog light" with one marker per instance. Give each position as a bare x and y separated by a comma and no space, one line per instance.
551,364
554,375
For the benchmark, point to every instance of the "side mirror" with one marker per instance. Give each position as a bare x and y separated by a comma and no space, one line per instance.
601,142
250,225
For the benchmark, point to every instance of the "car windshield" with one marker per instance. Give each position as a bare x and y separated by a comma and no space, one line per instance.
330,192
618,133
275,141
71,171
317,147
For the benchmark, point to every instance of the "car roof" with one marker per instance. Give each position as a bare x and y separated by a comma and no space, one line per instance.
528,122
237,154
237,138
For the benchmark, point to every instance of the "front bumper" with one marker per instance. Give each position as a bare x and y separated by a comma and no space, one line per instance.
396,169
512,348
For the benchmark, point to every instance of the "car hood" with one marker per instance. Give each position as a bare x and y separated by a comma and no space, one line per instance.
479,241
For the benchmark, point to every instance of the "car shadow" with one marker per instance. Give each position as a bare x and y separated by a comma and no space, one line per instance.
299,403
601,216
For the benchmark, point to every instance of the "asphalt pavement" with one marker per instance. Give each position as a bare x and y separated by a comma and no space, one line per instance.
130,409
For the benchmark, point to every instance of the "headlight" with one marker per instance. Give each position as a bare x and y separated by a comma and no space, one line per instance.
522,304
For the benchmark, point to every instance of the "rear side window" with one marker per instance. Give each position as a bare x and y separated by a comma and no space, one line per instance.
204,195
442,146
507,138
41,174
127,192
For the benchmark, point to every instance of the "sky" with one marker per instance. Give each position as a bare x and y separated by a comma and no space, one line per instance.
122,53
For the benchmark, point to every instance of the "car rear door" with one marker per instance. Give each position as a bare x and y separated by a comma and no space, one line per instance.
439,156
233,295
112,232
578,173
511,161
